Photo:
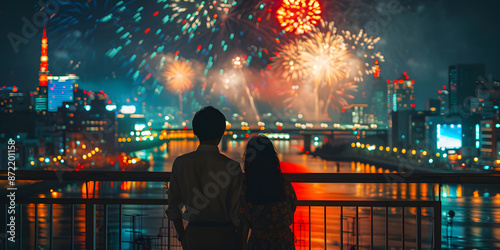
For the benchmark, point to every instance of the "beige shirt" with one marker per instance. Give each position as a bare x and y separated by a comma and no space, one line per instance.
205,186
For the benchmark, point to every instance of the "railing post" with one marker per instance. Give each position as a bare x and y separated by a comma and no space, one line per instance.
120,227
310,227
371,228
6,227
51,235
386,228
324,219
72,226
402,227
341,227
437,226
20,226
105,226
419,228
357,227
36,225
89,225
168,234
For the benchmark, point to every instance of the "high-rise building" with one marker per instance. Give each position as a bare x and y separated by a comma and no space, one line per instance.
489,142
379,101
401,94
41,99
61,90
443,97
462,82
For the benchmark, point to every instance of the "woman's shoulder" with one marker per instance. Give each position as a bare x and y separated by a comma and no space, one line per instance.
287,186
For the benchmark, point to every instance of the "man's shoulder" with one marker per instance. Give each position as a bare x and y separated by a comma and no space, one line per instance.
196,154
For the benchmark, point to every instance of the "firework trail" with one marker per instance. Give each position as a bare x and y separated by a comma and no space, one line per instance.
234,79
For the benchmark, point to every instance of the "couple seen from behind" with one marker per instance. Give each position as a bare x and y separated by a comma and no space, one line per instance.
225,208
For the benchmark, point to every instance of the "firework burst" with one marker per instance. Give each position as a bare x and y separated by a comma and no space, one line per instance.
299,16
320,59
179,76
195,14
364,58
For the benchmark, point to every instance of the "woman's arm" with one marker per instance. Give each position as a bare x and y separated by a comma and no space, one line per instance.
243,230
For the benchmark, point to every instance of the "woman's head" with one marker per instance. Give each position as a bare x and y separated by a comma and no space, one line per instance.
262,170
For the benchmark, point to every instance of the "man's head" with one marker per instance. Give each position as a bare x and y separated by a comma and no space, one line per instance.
209,125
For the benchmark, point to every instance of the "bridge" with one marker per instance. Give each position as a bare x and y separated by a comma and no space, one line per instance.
342,134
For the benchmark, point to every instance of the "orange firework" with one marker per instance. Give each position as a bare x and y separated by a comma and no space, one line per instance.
299,16
179,77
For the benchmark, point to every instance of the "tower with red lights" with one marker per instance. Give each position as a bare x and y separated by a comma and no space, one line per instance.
43,79
44,65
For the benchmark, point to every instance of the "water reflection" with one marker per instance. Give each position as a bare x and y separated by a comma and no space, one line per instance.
476,223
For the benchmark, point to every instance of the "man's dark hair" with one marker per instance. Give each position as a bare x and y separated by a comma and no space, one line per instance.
209,124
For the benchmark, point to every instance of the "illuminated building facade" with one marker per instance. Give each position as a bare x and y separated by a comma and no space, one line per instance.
401,94
90,124
11,100
379,101
462,82
488,141
61,89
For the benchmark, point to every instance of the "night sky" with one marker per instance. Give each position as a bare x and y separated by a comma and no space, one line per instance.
423,40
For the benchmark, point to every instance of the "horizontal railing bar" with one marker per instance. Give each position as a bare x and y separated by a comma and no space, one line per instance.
114,201
489,178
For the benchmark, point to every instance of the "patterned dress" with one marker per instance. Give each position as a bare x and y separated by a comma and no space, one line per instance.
270,223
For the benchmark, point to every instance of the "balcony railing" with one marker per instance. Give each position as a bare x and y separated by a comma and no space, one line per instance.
346,222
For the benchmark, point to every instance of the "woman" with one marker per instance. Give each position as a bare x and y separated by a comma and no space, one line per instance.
269,200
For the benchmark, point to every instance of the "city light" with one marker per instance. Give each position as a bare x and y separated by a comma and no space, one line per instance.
110,107
128,109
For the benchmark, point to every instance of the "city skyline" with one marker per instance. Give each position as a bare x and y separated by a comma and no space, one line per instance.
403,56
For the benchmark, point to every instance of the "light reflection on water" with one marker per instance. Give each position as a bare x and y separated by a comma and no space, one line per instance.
476,222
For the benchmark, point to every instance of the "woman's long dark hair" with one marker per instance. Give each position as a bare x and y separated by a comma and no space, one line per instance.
263,174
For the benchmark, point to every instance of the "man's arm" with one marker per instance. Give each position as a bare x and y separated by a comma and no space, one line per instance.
235,194
174,201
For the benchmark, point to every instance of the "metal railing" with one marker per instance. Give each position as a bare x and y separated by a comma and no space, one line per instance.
169,238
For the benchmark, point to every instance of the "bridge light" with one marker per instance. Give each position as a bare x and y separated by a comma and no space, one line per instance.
414,152
395,150
387,149
476,159
353,145
424,153
403,151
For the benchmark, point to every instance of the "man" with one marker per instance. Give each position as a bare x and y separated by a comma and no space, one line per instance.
205,189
